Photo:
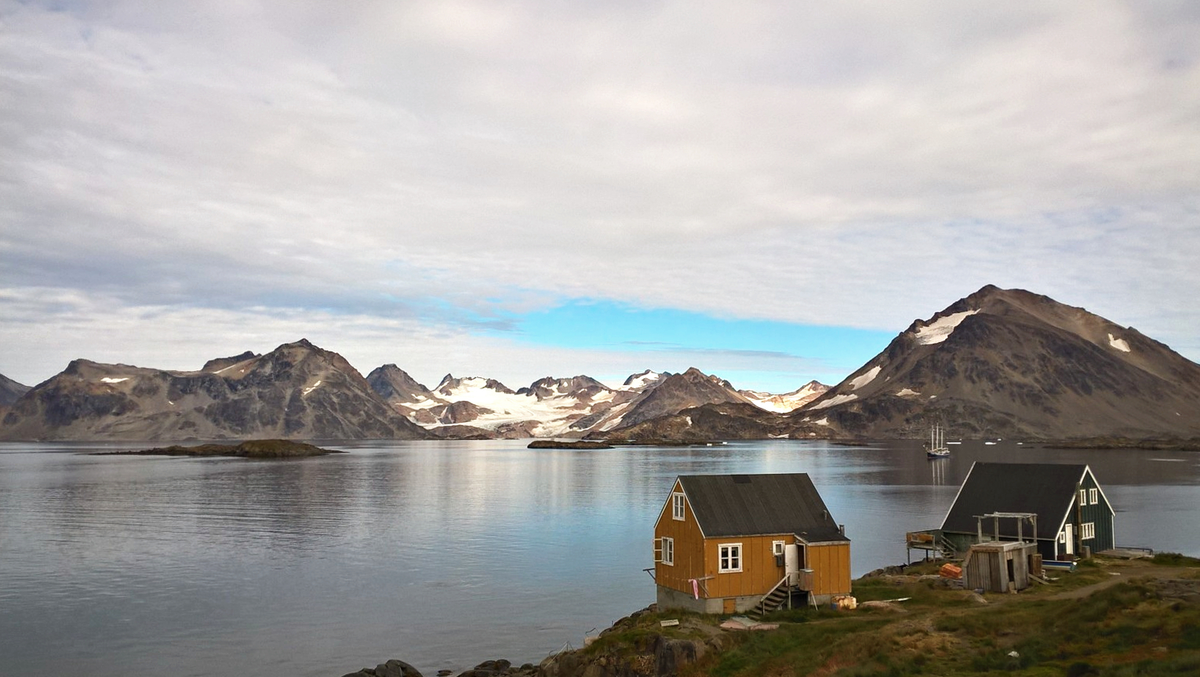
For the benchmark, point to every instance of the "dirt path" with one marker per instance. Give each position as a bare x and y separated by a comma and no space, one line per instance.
1128,571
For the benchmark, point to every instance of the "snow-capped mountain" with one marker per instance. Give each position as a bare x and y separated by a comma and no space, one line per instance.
1007,362
786,402
560,407
548,407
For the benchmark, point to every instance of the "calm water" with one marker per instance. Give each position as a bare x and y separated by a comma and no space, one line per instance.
442,554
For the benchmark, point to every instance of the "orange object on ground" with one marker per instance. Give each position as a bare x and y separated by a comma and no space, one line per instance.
950,571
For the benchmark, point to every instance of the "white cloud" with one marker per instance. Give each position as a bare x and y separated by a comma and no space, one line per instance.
856,165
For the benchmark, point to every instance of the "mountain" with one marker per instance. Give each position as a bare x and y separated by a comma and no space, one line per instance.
481,407
404,393
10,391
297,391
786,402
1010,363
677,392
562,407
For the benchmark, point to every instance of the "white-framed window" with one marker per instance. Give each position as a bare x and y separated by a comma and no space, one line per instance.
677,503
1093,497
777,547
1087,530
1062,536
668,551
729,558
1083,497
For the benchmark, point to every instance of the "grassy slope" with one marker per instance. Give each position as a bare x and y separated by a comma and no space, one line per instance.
1109,618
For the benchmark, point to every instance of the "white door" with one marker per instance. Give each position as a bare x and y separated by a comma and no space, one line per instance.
1069,530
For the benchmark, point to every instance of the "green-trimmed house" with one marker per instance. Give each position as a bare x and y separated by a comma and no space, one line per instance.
1072,511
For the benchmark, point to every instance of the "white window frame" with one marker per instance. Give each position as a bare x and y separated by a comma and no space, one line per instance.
1062,536
1083,497
777,547
729,555
1093,499
677,506
1087,531
668,551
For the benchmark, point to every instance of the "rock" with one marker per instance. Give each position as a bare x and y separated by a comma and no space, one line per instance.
392,668
886,606
672,654
492,668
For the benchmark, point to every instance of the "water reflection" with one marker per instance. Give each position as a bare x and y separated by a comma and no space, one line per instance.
444,554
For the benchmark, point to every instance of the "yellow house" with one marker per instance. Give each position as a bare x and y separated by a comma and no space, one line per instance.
734,543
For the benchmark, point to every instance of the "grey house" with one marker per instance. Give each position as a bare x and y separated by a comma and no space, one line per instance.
1072,511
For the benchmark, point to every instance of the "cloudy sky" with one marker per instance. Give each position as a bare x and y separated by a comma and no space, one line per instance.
767,191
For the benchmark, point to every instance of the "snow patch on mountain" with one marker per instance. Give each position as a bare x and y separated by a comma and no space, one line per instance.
939,330
835,400
1119,344
640,381
110,379
866,378
786,402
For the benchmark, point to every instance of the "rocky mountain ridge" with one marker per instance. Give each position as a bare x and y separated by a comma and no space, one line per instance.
996,363
297,391
563,407
10,392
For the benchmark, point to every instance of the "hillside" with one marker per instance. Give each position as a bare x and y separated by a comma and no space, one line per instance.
10,390
1110,618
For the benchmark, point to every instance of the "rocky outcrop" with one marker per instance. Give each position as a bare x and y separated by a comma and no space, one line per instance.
458,412
392,668
612,654
582,388
726,421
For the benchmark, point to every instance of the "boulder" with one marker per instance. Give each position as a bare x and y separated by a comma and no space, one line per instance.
392,668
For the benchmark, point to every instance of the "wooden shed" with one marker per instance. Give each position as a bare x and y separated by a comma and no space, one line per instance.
998,566
732,543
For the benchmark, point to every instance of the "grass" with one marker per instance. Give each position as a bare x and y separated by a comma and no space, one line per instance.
1141,627
1175,559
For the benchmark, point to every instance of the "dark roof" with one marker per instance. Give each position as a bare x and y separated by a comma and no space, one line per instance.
1043,488
747,505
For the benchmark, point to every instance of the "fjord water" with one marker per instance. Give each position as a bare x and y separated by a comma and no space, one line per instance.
443,554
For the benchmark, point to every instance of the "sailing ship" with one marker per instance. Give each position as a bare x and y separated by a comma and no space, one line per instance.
936,447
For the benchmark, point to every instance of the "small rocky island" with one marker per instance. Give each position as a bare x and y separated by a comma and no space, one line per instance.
247,449
569,444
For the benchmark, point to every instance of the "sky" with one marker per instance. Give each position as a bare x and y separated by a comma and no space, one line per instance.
768,191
